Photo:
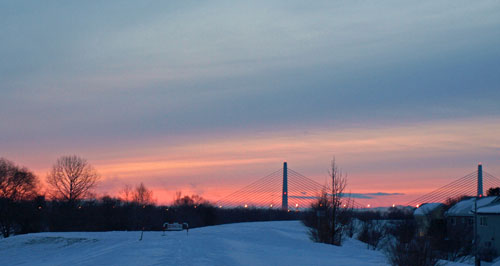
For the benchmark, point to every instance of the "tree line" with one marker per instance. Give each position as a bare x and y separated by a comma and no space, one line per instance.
68,203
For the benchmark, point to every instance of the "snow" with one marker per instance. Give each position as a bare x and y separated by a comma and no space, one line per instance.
462,208
466,207
427,208
494,208
259,243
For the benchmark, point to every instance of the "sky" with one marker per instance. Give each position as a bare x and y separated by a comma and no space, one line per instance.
205,97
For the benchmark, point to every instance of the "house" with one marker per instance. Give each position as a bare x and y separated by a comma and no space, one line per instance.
425,214
488,229
460,217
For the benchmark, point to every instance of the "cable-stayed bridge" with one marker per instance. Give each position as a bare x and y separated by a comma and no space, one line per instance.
470,185
290,190
284,188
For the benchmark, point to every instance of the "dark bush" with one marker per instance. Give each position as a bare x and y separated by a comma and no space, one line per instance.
487,254
417,252
371,233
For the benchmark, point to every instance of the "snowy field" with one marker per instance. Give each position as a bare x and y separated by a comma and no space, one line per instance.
259,243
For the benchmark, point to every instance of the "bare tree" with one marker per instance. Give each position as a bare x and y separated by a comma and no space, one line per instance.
142,195
127,193
16,184
72,178
339,204
332,212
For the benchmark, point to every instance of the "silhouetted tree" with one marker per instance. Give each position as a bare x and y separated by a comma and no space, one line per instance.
142,195
493,191
396,213
339,204
16,184
71,178
194,200
126,193
332,212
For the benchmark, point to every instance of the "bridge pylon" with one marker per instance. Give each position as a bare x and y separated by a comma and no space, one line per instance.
284,195
479,180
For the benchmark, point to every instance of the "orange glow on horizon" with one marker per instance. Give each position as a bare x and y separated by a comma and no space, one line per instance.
216,167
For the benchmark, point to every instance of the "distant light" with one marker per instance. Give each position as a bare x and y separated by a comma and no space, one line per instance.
284,193
480,195
271,205
418,205
368,206
296,205
195,206
345,205
393,205
246,205
220,206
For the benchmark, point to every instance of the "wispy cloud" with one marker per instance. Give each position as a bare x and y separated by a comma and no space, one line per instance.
173,94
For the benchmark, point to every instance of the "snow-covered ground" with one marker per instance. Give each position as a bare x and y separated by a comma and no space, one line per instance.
259,243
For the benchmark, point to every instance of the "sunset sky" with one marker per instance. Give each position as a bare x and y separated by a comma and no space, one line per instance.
207,96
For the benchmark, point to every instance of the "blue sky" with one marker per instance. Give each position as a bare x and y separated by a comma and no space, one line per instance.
102,79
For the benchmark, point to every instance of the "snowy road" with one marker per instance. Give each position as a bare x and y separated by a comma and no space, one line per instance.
262,243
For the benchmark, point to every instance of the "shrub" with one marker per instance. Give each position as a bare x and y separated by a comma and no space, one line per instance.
417,252
371,233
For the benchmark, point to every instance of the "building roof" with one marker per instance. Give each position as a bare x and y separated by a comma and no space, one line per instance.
427,208
493,208
466,207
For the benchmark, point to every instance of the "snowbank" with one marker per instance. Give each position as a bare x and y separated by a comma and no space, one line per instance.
260,243
263,243
492,209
